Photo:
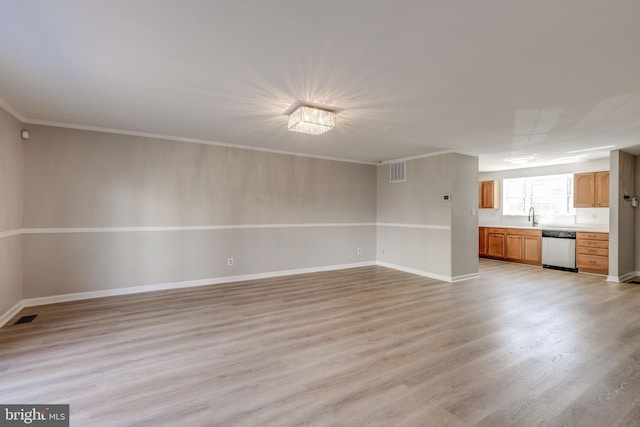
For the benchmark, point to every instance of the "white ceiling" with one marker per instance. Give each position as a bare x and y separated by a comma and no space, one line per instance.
498,79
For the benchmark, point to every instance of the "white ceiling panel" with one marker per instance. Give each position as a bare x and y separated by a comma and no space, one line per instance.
498,79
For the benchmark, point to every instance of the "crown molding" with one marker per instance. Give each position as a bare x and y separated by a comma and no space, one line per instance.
187,140
12,111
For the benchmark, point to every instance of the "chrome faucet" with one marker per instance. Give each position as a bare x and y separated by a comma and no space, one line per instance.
532,216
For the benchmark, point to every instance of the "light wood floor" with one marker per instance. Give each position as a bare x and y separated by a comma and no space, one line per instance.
368,346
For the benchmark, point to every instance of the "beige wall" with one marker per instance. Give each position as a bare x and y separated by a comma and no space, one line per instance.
270,212
89,179
622,233
464,215
419,230
11,191
76,179
637,216
62,263
417,200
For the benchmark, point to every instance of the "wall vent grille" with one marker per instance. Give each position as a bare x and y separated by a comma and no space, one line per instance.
398,171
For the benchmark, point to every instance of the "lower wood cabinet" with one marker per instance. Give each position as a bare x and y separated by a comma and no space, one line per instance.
524,246
496,238
511,244
592,252
482,241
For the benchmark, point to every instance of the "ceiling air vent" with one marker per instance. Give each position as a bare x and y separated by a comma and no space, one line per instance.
398,171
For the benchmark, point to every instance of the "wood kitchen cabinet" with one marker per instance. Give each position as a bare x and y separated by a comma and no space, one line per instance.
511,244
482,241
591,190
488,195
592,252
524,246
496,243
602,189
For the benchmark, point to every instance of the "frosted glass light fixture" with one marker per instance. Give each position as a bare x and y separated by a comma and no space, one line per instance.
312,120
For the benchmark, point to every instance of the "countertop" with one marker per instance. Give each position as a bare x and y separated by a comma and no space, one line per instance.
594,228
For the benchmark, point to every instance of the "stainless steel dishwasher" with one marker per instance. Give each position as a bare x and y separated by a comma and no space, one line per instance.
559,250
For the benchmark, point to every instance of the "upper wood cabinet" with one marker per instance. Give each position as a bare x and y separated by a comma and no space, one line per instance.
488,195
584,190
591,190
602,189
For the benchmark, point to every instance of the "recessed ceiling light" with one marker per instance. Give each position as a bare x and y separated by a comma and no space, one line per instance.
591,149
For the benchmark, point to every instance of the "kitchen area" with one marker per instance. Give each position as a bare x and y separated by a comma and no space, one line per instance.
547,217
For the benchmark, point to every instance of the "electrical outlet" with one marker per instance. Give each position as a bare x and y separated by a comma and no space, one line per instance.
359,250
230,262
594,216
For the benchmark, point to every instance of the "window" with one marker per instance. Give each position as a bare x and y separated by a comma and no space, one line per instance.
549,195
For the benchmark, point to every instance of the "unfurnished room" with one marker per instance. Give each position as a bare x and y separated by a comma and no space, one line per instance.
339,213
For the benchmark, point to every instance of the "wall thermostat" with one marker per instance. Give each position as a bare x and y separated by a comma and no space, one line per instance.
24,134
446,197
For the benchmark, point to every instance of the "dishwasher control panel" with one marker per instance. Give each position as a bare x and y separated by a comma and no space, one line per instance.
559,234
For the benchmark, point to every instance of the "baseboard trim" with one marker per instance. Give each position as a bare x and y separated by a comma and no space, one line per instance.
54,299
449,279
11,312
465,277
623,278
416,271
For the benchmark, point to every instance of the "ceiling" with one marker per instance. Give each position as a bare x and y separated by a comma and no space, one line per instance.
497,79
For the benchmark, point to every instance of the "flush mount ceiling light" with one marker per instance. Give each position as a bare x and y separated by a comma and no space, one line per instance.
312,120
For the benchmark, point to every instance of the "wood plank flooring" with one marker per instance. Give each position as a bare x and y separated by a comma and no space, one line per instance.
362,347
